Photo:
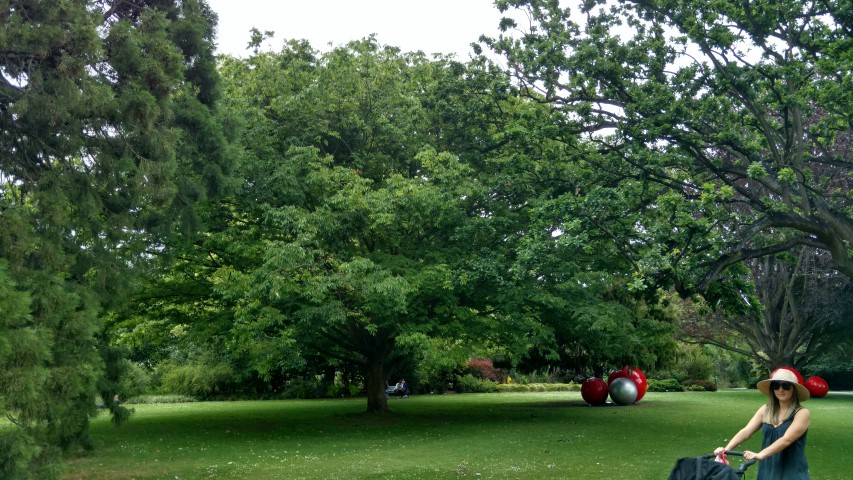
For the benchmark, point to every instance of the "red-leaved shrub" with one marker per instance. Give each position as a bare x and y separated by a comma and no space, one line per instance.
485,369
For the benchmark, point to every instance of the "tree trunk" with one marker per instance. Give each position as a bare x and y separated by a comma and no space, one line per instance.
375,379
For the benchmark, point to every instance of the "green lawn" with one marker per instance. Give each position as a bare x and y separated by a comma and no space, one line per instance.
488,436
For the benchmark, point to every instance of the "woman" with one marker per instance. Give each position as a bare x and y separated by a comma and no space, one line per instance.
784,423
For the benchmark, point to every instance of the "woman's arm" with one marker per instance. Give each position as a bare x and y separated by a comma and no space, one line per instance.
743,435
798,427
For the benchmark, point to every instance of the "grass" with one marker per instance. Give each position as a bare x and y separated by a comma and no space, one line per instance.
475,436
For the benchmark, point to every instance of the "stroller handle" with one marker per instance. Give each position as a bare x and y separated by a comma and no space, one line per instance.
743,466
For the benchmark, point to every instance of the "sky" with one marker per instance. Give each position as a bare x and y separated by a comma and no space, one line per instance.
432,26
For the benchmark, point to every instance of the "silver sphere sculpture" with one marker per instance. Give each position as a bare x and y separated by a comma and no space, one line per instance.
623,391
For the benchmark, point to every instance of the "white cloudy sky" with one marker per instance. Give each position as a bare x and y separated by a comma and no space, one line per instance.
433,26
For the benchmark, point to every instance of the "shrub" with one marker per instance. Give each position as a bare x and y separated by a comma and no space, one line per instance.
335,390
834,366
700,386
146,399
197,380
441,362
555,376
303,388
730,369
692,361
513,387
354,390
667,385
484,369
470,384
136,381
539,387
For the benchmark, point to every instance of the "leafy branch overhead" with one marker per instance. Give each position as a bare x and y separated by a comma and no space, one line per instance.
729,123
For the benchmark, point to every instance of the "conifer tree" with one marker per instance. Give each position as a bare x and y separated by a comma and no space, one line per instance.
109,138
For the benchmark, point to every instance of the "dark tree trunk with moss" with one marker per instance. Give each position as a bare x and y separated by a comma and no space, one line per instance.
375,385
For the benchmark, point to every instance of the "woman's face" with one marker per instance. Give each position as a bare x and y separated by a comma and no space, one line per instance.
782,390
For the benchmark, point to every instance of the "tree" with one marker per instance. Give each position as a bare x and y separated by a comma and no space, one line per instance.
805,308
108,134
433,207
575,290
343,242
385,207
717,131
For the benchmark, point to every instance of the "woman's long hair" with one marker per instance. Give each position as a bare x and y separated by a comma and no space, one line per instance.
773,407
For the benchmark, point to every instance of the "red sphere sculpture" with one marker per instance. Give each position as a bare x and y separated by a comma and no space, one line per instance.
642,384
594,391
633,374
818,388
622,372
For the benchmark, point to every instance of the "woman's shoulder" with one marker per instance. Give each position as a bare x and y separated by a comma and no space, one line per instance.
801,416
758,417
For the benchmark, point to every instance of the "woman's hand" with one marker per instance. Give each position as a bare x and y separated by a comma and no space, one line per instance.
748,455
719,450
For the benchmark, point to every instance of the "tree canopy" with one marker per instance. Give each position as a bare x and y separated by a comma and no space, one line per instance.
387,208
341,239
717,132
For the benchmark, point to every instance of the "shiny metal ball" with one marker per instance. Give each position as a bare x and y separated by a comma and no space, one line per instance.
623,391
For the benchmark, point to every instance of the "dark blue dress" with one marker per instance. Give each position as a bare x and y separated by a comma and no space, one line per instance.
789,464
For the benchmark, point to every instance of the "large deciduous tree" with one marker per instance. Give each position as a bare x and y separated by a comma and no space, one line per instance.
717,131
345,241
108,135
389,202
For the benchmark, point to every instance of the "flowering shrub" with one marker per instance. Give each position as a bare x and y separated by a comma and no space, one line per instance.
485,369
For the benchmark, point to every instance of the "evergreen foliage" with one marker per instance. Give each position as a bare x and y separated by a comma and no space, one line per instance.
97,166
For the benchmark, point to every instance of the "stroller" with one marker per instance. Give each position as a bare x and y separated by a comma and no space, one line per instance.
706,468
